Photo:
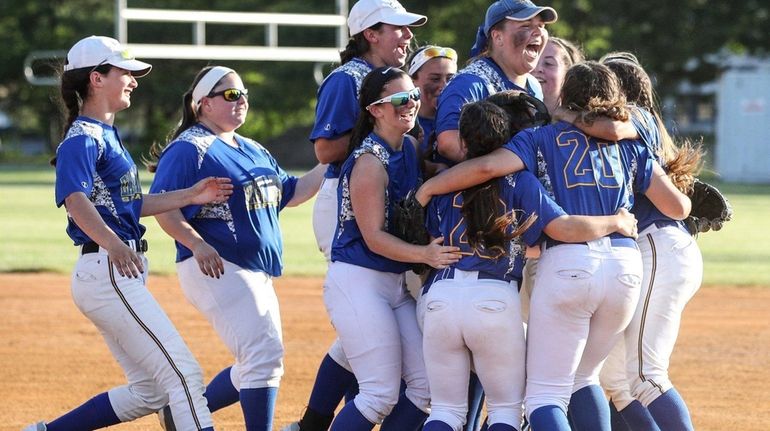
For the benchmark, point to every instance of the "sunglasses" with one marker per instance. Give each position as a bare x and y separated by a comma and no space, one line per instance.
399,99
231,94
429,53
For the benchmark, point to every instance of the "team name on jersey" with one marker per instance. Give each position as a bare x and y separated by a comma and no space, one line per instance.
263,192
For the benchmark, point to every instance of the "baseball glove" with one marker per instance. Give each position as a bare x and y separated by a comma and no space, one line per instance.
710,209
408,222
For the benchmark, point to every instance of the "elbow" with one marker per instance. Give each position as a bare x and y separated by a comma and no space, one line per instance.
682,210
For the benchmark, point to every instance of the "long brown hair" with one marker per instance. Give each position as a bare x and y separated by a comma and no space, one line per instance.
591,90
484,127
357,45
74,89
682,161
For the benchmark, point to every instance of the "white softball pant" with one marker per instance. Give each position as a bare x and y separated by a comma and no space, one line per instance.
324,225
159,367
467,317
584,297
673,271
375,320
242,307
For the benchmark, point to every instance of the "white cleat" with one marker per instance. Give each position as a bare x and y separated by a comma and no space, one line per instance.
294,426
40,426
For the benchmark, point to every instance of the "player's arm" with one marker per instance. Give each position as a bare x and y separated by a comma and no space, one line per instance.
602,127
308,185
448,145
665,196
82,210
498,163
368,182
577,228
331,150
211,189
177,227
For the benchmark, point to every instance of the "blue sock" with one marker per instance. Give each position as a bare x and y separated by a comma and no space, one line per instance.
637,418
475,403
617,423
350,419
670,412
501,427
331,383
549,418
93,414
258,407
588,410
220,391
404,417
436,426
352,391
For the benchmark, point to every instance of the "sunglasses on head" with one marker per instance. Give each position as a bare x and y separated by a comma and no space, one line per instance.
230,94
399,99
437,51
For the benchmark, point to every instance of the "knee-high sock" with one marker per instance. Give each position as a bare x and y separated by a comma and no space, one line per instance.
588,410
670,412
220,391
93,414
350,419
258,407
404,417
549,418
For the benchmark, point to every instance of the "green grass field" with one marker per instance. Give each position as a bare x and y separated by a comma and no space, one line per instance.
33,238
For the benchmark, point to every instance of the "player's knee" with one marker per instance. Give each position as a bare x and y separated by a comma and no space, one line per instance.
375,406
452,416
149,395
649,389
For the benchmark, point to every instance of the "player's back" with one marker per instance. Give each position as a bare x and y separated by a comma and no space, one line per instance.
585,175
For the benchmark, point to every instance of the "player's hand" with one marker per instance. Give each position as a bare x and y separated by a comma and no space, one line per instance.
209,261
440,256
626,223
126,261
211,189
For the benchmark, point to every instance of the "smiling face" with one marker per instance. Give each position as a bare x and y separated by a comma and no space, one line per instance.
389,44
226,116
117,86
517,45
432,78
550,73
395,119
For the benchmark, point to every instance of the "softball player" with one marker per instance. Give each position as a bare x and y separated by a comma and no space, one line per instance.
380,34
228,253
584,294
637,370
98,183
476,299
364,291
507,49
431,68
557,57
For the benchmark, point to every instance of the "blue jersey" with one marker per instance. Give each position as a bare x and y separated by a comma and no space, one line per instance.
475,82
585,175
403,171
337,108
244,229
645,211
92,160
427,125
520,192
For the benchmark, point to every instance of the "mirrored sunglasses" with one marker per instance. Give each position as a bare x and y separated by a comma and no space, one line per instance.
399,99
230,94
437,51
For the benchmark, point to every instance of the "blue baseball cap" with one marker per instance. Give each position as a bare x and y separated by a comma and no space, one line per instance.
516,10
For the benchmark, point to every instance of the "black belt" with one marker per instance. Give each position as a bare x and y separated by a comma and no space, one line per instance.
138,246
616,242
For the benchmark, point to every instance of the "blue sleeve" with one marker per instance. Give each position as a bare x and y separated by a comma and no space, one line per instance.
432,217
76,160
524,145
531,198
337,108
639,172
288,183
647,128
177,169
462,89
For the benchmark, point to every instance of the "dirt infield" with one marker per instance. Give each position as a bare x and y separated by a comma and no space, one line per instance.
52,358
